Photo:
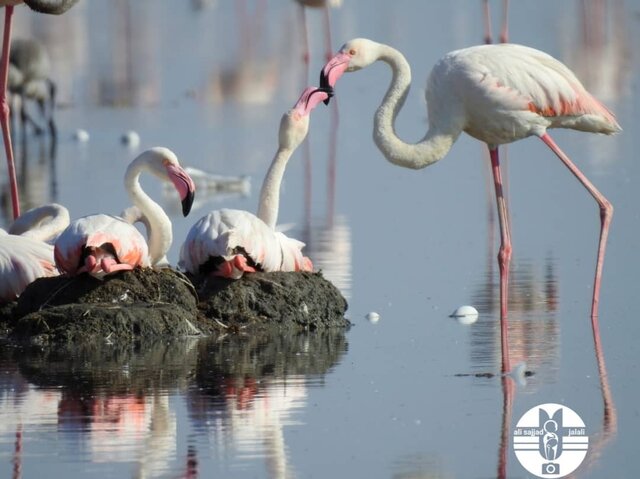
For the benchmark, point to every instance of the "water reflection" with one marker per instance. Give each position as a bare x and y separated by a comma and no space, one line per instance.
36,170
249,389
112,405
534,332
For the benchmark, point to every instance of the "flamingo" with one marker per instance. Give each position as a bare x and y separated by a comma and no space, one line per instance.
25,253
497,94
28,79
229,242
53,7
103,244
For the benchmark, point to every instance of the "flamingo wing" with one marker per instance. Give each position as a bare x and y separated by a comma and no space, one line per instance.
110,234
515,78
22,261
224,235
292,257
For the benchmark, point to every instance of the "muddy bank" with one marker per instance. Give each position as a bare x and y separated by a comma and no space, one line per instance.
145,303
287,300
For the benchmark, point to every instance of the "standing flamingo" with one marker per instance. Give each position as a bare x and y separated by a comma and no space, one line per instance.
25,253
497,94
231,242
103,244
53,7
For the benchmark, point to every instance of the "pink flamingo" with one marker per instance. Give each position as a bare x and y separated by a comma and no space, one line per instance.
497,94
231,242
103,244
54,7
25,253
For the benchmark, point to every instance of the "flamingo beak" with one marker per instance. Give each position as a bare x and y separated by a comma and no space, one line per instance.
184,185
332,71
310,98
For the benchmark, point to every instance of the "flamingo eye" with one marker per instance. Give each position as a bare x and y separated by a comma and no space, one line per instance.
352,52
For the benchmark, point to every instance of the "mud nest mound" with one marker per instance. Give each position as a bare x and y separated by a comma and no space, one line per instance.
147,303
139,303
287,300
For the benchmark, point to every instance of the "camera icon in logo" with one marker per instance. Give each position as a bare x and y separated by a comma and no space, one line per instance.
551,468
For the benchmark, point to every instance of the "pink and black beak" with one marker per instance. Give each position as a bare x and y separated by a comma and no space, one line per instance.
332,71
184,185
311,97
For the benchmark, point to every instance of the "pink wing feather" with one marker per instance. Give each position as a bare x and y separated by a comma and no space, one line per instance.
94,231
223,233
22,261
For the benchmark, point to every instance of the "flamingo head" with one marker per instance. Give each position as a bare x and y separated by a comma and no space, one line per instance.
295,123
164,164
354,55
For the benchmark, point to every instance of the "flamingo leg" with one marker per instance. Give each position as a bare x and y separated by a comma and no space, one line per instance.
504,255
4,104
327,32
504,33
110,265
606,213
487,22
306,55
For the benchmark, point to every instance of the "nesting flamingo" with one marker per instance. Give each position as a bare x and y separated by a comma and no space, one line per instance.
54,7
229,242
497,94
25,253
103,244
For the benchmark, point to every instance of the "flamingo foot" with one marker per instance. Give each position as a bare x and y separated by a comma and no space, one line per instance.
90,265
307,265
110,265
234,268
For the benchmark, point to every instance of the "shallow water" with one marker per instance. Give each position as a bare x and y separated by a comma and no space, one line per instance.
416,394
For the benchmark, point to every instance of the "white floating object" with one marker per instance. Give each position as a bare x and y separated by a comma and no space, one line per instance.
81,135
130,139
465,314
373,317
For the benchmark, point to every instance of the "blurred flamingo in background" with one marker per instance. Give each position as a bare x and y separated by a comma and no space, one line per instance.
103,244
26,253
54,7
324,5
497,94
504,31
231,242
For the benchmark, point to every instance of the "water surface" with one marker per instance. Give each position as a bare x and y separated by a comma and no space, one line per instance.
415,395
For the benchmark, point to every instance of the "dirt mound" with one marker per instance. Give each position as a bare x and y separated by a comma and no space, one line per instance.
143,302
289,300
146,303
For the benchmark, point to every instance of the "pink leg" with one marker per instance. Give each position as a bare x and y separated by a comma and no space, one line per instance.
333,144
240,262
606,212
4,119
327,32
487,22
504,256
90,265
306,56
504,34
110,265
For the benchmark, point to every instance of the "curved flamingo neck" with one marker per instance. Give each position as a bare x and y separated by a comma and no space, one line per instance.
159,224
270,193
44,223
437,141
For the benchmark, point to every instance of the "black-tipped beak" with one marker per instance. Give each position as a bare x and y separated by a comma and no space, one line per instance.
187,203
325,86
